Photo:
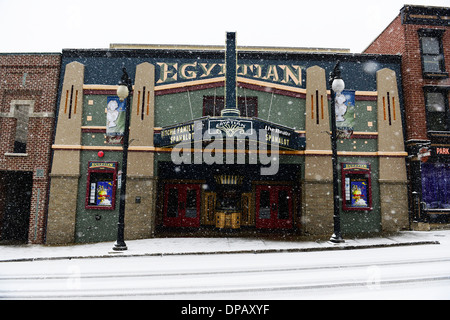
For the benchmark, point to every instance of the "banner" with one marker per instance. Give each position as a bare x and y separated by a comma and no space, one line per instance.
345,113
115,120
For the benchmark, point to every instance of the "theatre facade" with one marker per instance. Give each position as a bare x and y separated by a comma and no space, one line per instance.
217,147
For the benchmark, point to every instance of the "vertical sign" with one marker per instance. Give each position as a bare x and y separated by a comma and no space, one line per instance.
115,120
345,113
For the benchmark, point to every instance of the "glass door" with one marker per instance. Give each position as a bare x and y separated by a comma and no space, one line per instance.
182,205
274,207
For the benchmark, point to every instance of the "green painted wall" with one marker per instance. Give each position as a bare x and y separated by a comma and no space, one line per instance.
361,222
176,108
101,225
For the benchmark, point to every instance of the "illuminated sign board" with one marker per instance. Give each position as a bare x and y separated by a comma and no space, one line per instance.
240,128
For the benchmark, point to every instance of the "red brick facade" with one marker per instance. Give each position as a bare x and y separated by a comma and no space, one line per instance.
31,80
428,176
403,39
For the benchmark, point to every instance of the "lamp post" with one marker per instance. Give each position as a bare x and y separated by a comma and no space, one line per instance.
123,92
337,85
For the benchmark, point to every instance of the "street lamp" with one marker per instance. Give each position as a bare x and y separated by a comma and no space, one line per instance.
337,86
123,92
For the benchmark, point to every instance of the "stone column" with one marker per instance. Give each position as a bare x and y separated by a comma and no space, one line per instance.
141,186
65,171
317,186
391,151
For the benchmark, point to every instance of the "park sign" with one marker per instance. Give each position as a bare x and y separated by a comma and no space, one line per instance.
209,128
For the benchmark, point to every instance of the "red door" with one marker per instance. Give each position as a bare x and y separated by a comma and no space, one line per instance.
182,205
274,206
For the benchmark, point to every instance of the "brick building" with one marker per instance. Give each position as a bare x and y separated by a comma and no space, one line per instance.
28,94
421,35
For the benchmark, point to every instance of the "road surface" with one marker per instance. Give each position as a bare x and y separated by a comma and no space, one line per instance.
412,272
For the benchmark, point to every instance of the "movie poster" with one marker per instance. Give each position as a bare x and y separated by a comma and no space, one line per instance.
358,192
104,193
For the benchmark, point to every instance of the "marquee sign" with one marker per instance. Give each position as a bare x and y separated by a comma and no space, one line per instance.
234,127
167,72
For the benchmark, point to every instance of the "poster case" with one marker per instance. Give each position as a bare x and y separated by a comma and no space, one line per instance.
101,185
356,187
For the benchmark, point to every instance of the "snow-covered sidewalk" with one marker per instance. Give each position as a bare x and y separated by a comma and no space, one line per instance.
180,246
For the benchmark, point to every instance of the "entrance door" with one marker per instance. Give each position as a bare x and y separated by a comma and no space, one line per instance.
15,202
274,206
182,205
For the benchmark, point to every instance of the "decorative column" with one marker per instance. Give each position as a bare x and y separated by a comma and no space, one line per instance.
65,171
391,151
141,185
317,187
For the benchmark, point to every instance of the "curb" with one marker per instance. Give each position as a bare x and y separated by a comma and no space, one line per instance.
121,254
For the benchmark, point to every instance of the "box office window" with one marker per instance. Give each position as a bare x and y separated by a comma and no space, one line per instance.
101,185
356,186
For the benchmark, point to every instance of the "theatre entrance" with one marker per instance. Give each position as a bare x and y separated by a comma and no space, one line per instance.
213,199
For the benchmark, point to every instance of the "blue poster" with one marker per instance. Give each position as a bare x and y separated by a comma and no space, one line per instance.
104,193
358,190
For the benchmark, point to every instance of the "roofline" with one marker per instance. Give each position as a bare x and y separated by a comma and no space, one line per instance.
219,54
379,35
30,53
222,48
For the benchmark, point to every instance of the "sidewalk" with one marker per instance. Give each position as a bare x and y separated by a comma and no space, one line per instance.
184,246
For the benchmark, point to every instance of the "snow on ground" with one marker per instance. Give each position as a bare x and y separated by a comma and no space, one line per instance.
409,265
167,246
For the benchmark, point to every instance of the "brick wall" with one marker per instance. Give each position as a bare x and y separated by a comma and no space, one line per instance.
30,77
390,41
403,39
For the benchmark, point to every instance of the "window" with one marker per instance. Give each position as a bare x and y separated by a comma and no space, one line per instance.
101,185
264,205
436,186
433,64
283,204
172,206
438,118
213,105
21,113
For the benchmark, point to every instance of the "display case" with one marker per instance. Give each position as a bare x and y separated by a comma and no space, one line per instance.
356,187
101,185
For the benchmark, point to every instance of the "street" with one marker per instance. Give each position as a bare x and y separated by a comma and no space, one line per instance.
405,272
